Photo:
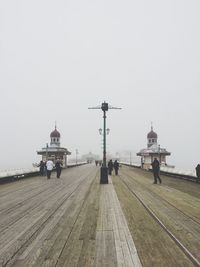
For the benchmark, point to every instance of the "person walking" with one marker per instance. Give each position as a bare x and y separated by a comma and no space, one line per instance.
156,170
198,172
49,166
42,166
58,168
110,167
116,167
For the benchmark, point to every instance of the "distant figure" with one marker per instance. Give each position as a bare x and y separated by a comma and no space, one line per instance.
110,167
58,166
96,162
156,170
116,167
198,171
45,168
42,167
49,166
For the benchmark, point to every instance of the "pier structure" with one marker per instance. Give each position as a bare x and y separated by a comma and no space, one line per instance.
152,151
76,221
54,151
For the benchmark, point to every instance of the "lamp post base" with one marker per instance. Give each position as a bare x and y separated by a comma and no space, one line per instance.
104,175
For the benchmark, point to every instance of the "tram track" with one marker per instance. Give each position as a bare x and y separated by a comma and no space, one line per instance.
194,219
184,249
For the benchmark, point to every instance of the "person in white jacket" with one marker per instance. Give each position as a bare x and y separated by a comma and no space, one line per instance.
49,166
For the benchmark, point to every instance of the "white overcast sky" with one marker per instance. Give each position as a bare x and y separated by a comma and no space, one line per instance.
57,58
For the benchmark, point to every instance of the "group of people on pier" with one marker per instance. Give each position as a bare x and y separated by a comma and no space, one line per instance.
113,165
47,167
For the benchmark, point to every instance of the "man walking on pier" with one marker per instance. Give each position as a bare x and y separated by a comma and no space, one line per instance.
156,170
50,166
116,167
110,167
58,166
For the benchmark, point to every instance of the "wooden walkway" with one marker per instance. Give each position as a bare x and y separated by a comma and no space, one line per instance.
71,221
76,222
114,243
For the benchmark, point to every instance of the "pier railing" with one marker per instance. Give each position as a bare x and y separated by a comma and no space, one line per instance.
17,174
173,172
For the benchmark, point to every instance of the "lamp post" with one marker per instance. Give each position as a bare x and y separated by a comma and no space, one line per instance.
106,132
65,159
76,156
159,154
104,170
46,152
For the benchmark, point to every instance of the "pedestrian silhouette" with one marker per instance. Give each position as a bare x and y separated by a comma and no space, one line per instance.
156,170
42,167
198,171
58,166
116,167
110,167
49,166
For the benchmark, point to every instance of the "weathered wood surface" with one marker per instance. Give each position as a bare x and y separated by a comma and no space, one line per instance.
75,221
175,203
115,245
71,221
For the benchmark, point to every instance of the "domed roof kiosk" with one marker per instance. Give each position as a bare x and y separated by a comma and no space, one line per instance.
54,151
152,151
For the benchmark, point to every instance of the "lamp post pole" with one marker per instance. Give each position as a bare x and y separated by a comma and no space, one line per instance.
159,154
104,170
76,156
104,138
46,152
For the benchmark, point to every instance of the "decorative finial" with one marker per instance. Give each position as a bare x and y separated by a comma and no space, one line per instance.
55,125
151,126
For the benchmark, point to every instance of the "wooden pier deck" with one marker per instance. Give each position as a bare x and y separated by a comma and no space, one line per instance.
75,221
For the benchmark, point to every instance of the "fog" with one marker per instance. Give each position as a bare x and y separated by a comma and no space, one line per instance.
57,58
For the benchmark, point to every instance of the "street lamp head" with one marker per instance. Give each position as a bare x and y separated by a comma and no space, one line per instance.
100,131
104,106
107,130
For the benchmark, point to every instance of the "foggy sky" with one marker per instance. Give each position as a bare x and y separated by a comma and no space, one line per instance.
57,58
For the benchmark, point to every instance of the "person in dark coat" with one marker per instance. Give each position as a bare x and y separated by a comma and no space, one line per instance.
110,167
42,168
198,171
58,166
116,167
156,170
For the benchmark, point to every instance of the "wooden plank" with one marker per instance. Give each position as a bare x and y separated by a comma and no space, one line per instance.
114,244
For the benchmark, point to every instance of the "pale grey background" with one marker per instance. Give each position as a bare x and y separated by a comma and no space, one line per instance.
57,58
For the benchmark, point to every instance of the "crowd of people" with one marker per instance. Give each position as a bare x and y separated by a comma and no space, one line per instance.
47,167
